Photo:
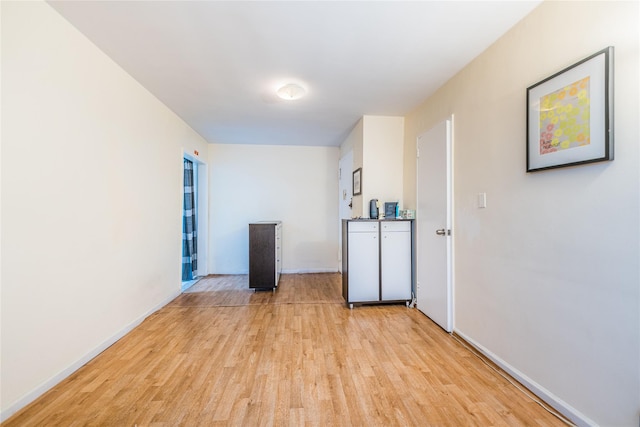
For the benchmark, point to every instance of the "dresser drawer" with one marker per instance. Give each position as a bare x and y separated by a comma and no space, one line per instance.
362,226
396,226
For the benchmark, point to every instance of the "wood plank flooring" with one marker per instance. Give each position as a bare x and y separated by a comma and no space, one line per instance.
223,355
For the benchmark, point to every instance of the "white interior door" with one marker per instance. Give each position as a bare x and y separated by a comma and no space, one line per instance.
434,293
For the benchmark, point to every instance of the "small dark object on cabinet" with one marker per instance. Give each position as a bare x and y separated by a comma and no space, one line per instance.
373,209
390,209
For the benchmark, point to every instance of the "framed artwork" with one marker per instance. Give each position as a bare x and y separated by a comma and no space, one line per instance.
570,115
357,182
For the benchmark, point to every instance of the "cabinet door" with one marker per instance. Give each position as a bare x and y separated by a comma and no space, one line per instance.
364,279
262,258
396,264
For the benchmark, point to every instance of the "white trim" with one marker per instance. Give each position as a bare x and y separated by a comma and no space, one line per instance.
189,283
552,400
294,271
56,379
450,198
311,270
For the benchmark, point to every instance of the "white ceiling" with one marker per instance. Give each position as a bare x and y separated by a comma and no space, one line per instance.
217,64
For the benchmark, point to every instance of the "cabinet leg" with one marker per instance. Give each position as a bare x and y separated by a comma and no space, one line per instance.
350,306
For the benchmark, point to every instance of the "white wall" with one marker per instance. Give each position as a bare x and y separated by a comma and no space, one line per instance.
382,160
297,185
91,192
354,144
377,143
547,276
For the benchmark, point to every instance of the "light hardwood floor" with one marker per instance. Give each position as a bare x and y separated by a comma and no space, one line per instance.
221,354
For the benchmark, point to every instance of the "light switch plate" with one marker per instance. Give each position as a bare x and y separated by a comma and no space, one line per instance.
482,200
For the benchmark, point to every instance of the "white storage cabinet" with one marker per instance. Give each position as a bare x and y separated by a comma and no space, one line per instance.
377,261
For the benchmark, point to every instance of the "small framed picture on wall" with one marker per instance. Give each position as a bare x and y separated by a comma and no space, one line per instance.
357,182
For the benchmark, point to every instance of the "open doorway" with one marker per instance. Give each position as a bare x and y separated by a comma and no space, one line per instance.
345,168
194,221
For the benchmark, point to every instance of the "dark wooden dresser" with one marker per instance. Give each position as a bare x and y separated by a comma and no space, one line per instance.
265,254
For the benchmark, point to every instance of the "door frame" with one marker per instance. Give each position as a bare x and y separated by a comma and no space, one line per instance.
449,217
345,167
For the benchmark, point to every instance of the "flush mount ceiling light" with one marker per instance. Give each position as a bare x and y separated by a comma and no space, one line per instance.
291,92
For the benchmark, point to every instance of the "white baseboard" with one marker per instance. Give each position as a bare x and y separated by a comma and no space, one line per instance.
56,379
311,270
189,283
558,404
288,271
